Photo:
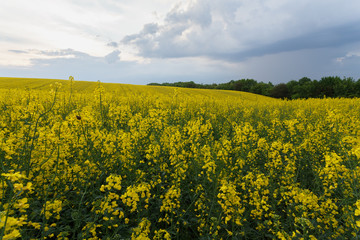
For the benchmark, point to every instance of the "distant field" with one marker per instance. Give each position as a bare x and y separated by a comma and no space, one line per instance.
95,161
122,89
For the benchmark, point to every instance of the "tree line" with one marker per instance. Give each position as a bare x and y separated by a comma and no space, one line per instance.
332,86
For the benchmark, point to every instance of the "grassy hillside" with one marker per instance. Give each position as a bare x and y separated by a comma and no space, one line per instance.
123,89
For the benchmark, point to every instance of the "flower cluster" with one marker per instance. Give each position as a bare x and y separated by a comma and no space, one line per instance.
99,161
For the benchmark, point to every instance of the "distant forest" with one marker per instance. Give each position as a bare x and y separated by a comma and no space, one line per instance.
303,88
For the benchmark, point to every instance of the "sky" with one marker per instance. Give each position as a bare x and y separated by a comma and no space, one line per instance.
205,41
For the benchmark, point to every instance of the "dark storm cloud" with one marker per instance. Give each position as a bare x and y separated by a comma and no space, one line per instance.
171,39
324,38
237,30
327,37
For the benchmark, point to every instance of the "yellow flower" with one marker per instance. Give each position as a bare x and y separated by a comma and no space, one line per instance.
358,223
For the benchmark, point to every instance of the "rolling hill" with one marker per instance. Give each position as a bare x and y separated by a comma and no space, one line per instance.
122,89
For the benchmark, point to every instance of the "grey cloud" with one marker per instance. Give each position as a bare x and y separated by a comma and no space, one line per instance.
130,38
113,57
323,38
95,68
198,13
112,44
174,38
90,69
61,53
65,53
37,56
191,32
237,30
17,51
327,37
275,40
148,30
52,53
276,68
155,41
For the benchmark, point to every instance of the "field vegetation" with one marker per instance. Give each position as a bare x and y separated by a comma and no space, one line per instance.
331,86
84,160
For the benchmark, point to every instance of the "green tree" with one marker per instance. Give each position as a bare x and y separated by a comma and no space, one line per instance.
262,88
280,91
244,85
327,86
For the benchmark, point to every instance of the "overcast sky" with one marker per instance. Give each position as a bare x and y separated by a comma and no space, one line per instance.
205,41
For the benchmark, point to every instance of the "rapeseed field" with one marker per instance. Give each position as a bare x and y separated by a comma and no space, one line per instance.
105,161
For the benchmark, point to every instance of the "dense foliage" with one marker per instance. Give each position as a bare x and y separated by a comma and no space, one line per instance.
303,88
177,164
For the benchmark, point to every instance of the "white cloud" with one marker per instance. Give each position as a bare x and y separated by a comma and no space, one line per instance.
86,26
349,55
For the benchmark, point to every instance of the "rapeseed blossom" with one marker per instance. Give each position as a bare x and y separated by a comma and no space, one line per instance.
147,162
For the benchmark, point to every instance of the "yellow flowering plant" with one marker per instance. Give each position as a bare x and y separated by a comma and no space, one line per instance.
82,160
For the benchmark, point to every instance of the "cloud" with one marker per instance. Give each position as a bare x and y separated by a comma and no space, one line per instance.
277,67
93,68
293,65
66,54
40,57
331,37
348,56
61,53
113,57
172,38
112,44
200,40
51,53
237,30
148,31
29,57
17,51
197,12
